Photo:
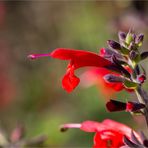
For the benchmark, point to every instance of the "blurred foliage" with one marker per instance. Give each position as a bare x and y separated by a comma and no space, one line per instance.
35,97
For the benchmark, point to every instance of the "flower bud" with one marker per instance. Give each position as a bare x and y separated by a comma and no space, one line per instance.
129,38
134,106
114,105
135,57
112,78
121,35
133,54
107,53
113,44
139,39
144,55
132,46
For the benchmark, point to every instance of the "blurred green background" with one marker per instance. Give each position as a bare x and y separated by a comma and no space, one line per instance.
30,91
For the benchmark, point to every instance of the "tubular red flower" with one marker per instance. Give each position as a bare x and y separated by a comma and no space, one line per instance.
78,59
109,133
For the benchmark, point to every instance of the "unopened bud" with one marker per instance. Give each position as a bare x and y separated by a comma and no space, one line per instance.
133,54
113,44
112,78
134,106
121,35
114,105
129,38
144,55
139,39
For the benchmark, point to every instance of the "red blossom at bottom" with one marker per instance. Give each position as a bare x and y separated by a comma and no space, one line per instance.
109,133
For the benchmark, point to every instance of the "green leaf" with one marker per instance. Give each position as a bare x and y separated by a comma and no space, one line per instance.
130,85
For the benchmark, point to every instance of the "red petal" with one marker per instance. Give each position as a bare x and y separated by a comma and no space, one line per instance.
80,58
70,81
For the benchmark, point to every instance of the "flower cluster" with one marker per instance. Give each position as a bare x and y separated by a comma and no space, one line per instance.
118,67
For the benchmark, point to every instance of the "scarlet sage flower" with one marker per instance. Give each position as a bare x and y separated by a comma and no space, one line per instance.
78,59
108,134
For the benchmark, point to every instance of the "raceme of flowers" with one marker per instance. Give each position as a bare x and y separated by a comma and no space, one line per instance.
118,68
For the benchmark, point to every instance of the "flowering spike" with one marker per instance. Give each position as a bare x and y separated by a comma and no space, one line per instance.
36,56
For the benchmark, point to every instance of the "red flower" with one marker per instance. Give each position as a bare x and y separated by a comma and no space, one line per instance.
78,59
109,133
